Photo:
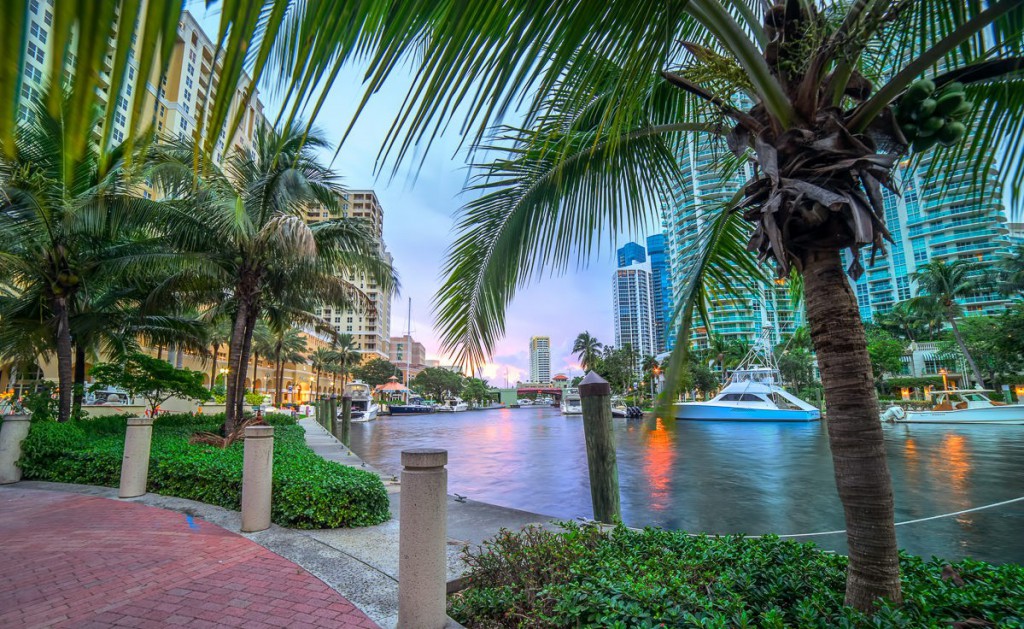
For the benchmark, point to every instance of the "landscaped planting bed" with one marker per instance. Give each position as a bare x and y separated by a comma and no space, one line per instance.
581,577
308,492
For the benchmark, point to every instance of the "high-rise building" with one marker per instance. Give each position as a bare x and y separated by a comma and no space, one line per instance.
172,103
935,218
661,294
634,318
540,359
412,358
698,201
370,328
629,253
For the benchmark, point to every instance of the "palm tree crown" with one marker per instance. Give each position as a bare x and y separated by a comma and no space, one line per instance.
588,349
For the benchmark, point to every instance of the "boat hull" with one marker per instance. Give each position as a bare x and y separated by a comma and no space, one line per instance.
1011,414
365,416
698,411
411,410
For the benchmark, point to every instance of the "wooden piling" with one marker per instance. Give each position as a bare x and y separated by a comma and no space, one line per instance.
595,394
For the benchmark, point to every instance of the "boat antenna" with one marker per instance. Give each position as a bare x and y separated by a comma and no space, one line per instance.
408,349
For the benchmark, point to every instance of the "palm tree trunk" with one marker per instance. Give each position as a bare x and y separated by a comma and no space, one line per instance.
65,375
236,367
250,327
277,379
854,431
213,373
79,386
280,381
967,355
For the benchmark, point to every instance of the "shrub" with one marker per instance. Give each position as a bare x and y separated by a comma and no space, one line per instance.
308,491
581,577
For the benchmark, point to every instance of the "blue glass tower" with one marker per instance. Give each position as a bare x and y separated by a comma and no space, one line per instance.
661,293
629,253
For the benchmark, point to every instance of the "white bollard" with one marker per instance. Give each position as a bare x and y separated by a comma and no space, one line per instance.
257,478
14,431
135,463
422,539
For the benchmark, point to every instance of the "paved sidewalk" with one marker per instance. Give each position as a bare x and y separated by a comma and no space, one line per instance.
73,560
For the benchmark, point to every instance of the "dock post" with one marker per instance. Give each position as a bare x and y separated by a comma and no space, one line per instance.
595,396
346,418
257,478
422,538
135,463
14,431
332,413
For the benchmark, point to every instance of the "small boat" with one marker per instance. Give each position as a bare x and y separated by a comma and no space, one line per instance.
752,394
571,403
364,408
415,406
453,405
524,402
960,406
619,408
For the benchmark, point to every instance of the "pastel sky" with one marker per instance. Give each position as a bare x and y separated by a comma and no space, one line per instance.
420,205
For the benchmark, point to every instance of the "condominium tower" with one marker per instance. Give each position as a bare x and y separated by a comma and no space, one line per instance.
632,307
698,201
408,355
370,327
540,359
172,103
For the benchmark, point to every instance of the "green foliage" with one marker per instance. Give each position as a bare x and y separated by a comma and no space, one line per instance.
914,383
308,492
375,371
797,367
438,383
581,577
41,403
254,399
996,344
475,390
886,353
151,378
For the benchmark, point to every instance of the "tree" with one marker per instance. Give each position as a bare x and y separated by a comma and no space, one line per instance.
438,383
906,322
588,349
289,347
796,366
245,223
824,99
322,361
475,390
1011,272
995,342
376,371
941,285
151,378
345,354
886,354
61,224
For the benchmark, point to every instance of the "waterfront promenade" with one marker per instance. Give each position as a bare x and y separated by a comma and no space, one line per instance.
75,555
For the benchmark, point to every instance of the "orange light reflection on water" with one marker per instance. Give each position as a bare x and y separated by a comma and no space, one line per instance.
657,467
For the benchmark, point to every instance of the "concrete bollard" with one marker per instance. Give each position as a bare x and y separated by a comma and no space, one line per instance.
14,431
135,462
422,538
595,397
346,418
257,478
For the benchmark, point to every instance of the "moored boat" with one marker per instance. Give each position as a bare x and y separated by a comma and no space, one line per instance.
415,406
960,406
364,408
571,402
453,405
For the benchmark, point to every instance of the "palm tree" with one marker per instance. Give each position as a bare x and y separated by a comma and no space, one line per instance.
1011,272
61,228
245,227
824,98
289,347
906,320
588,349
345,352
322,360
941,285
218,333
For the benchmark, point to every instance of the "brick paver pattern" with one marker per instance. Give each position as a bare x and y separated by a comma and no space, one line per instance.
68,560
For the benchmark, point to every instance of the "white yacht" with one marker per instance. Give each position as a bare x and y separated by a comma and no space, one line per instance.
752,394
619,408
364,408
571,403
960,406
524,401
452,405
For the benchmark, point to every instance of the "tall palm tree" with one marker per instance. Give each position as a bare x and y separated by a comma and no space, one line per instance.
345,354
322,360
218,333
588,349
941,284
1011,272
289,347
826,99
245,227
61,226
906,321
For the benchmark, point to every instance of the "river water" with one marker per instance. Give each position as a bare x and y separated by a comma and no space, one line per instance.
725,477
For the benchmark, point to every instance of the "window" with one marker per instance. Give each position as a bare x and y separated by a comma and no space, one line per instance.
188,95
48,18
120,119
191,69
35,52
118,136
32,73
131,73
192,55
38,31
188,81
122,102
182,123
33,6
185,108
146,194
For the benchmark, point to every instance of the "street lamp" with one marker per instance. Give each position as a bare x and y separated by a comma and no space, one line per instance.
945,383
656,372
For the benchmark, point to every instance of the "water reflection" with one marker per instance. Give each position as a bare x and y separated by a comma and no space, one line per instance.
725,477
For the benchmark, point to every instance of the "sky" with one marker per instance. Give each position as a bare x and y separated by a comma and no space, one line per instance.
420,205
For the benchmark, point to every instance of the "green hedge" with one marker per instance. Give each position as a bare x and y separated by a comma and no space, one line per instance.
308,492
654,578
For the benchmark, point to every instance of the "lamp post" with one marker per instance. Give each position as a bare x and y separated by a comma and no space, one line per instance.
945,383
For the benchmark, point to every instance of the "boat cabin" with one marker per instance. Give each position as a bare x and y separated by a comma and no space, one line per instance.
962,399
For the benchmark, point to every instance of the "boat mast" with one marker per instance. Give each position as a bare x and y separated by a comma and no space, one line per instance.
408,349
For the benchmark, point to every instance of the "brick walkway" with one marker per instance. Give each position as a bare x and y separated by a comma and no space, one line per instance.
81,561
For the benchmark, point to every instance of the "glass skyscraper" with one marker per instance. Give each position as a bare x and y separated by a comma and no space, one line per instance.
629,253
661,294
